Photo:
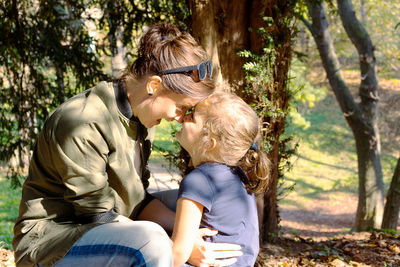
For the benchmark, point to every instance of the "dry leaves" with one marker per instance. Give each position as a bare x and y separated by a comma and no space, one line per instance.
378,249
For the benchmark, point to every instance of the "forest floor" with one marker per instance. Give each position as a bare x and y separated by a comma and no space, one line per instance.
310,237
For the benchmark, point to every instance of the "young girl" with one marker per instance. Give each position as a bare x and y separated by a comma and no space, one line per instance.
222,138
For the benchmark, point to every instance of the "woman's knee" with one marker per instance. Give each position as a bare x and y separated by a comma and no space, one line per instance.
147,241
157,250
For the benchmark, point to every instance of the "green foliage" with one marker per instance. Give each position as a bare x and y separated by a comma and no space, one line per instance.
270,100
45,59
127,18
166,144
51,50
381,23
9,201
326,252
259,76
378,233
304,94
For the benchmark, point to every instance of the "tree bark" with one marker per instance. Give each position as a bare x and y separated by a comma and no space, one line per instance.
222,28
60,83
205,31
362,117
392,206
281,32
370,207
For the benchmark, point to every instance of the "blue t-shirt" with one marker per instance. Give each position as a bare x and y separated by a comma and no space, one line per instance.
228,207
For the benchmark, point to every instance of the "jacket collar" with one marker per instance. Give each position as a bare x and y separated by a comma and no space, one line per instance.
122,100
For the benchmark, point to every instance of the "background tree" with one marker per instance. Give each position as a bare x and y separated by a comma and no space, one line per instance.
44,59
392,206
123,22
49,53
361,117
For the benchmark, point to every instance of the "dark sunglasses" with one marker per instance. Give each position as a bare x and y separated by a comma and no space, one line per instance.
197,72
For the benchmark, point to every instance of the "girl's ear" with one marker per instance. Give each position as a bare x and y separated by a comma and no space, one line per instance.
211,144
154,84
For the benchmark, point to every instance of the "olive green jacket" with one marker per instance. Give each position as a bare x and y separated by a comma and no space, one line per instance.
82,173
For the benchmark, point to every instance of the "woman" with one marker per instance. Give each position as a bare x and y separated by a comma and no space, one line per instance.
87,177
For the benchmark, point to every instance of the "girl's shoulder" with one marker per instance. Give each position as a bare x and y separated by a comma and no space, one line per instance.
214,166
218,173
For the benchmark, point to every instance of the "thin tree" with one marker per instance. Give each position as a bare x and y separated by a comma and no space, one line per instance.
392,206
361,117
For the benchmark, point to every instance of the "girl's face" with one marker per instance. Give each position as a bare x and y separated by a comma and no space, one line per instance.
165,105
192,132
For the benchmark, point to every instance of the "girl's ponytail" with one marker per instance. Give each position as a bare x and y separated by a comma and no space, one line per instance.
257,167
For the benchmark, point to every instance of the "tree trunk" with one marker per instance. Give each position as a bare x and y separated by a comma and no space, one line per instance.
362,118
204,30
392,206
222,28
60,83
370,209
281,32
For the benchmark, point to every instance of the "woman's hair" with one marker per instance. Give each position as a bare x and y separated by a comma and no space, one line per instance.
164,47
236,127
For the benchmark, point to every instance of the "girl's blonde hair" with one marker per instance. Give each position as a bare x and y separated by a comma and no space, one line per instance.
236,127
164,47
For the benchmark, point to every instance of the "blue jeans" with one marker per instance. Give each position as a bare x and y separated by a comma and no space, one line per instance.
136,243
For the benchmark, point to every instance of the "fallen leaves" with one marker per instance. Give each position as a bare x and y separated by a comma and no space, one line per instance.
377,249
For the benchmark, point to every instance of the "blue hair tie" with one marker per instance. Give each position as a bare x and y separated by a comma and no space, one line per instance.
165,37
254,146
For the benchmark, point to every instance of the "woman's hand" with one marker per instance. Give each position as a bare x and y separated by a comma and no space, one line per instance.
206,254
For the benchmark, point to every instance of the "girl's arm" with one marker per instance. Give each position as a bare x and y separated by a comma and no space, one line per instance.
187,222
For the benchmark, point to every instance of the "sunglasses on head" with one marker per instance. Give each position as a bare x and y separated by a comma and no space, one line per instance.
197,72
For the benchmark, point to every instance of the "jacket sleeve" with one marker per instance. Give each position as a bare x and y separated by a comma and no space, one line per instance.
81,160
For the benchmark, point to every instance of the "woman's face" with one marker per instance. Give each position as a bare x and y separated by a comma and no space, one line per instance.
165,105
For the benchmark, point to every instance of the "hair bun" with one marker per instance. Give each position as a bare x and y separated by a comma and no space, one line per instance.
155,36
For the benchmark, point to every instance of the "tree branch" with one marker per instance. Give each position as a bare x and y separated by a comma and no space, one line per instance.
354,29
305,21
320,32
